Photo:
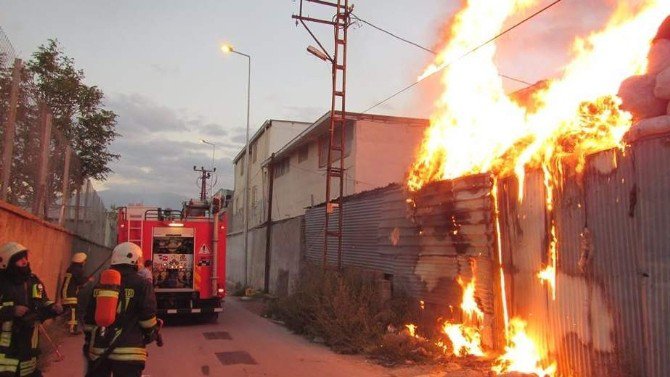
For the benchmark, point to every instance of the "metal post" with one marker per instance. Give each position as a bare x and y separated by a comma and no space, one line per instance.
245,197
45,146
215,253
248,173
10,130
66,186
268,223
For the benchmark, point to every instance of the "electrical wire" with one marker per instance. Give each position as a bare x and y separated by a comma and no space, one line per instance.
424,48
469,52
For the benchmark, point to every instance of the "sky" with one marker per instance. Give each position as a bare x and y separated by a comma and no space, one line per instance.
161,69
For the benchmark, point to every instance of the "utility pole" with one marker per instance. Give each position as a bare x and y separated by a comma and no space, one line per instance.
336,148
10,130
204,176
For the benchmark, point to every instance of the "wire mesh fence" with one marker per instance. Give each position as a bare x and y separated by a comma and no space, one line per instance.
39,170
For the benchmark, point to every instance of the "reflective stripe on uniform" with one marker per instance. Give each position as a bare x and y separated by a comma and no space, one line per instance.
66,284
8,365
70,301
149,323
28,367
6,334
120,353
107,293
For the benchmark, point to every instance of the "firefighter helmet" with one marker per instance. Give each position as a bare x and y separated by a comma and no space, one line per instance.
79,258
126,253
7,251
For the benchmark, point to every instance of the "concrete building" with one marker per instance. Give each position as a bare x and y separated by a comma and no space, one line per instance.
268,139
378,151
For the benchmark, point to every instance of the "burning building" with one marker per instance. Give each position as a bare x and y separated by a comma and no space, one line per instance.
559,198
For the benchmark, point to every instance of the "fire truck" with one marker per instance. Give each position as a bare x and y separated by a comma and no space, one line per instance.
188,250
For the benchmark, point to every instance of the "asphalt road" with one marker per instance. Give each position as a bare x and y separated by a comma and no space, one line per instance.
240,344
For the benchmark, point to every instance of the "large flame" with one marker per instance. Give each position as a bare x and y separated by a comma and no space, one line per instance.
478,128
521,354
466,338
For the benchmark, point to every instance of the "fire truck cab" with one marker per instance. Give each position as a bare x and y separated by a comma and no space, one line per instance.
188,250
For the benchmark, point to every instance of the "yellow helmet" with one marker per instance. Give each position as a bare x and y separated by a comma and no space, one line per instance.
79,258
7,251
126,253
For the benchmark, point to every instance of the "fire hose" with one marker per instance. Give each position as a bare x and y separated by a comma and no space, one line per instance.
59,356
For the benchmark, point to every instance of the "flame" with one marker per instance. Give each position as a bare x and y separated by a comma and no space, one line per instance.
521,354
476,127
466,337
465,340
469,305
412,329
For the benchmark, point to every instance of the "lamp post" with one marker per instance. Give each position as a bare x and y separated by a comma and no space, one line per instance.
228,49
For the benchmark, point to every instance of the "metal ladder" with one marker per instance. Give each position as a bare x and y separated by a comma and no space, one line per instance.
337,123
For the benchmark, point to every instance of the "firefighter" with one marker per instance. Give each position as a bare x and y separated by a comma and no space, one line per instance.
119,349
74,280
23,306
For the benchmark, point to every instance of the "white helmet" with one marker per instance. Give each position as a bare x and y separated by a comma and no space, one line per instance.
79,258
126,253
7,251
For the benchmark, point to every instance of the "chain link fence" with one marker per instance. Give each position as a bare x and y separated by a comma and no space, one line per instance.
39,172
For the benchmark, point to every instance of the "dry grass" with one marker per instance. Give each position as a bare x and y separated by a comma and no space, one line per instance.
343,309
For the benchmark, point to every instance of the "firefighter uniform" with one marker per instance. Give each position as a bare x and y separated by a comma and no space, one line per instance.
19,335
74,279
135,324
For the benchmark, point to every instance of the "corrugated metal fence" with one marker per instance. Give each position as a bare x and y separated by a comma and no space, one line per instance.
612,306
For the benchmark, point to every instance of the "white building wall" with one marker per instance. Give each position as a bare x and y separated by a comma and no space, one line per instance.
304,184
385,152
272,138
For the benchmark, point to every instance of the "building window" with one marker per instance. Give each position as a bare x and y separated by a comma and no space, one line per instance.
303,153
253,151
254,194
240,163
348,141
281,167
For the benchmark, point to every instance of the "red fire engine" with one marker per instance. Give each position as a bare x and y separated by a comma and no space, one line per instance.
188,250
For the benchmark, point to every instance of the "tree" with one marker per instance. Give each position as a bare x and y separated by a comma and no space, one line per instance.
76,109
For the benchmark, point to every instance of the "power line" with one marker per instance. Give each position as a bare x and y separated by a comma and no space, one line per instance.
464,55
424,48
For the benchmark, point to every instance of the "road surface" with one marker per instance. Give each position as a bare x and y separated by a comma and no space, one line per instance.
240,344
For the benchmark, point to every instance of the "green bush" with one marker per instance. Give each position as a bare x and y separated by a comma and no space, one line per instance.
345,309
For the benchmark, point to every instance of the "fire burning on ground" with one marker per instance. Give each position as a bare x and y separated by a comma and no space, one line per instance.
478,128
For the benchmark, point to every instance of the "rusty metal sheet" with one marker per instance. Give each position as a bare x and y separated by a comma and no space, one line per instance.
651,209
616,340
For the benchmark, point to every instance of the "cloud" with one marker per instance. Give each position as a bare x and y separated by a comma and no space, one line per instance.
160,146
139,114
213,129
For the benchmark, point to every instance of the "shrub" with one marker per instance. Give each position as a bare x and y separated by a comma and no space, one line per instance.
345,309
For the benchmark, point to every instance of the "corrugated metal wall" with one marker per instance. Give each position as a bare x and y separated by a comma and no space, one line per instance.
359,243
652,214
612,306
448,234
610,316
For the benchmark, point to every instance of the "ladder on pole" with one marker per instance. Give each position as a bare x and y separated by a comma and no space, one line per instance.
335,171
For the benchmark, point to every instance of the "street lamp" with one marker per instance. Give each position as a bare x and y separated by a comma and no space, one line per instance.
228,49
213,149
